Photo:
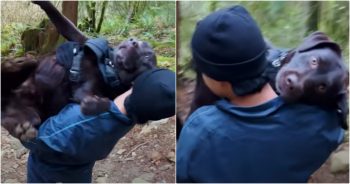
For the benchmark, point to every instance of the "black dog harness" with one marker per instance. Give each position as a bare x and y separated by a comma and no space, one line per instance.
70,55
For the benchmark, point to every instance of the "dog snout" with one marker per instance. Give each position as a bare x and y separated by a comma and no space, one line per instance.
133,42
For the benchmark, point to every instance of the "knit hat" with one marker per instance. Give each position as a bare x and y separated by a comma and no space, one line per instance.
227,45
152,97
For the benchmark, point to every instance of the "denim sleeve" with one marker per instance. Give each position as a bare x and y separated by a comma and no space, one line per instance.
87,138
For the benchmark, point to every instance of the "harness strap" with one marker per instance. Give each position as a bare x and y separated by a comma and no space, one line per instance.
104,54
74,72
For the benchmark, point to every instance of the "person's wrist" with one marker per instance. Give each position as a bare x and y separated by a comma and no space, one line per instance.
120,101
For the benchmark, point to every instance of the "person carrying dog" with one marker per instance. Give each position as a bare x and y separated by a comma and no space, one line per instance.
69,143
251,134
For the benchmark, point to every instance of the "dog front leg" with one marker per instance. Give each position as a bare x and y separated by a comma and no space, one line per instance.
90,103
63,25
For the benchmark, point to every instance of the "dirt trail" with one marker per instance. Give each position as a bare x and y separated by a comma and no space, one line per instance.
145,154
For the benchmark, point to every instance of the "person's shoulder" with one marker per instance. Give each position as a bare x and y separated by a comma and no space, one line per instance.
203,112
308,109
311,113
202,119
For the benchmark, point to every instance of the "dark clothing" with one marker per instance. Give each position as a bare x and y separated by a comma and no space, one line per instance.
141,105
271,142
227,45
69,143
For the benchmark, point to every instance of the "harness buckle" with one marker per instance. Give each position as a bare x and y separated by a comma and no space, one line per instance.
74,75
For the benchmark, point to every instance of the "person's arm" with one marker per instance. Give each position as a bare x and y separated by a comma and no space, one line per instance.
119,101
84,138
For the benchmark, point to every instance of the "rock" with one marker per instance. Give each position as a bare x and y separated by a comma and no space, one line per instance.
20,152
152,125
15,166
340,161
171,156
11,181
159,122
147,129
16,144
129,159
100,173
121,151
101,179
3,153
155,156
165,167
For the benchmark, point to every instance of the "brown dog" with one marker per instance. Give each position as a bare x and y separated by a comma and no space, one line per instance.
313,73
49,86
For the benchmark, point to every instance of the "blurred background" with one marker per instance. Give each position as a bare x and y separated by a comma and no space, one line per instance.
147,153
25,26
285,24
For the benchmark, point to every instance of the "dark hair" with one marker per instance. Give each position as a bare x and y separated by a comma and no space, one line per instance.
250,86
245,87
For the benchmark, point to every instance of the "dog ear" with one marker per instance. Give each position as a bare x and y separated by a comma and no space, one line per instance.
318,40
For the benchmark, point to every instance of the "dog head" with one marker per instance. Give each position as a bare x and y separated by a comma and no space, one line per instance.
132,57
314,73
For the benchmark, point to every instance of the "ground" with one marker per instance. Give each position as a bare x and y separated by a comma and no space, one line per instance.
145,154
185,90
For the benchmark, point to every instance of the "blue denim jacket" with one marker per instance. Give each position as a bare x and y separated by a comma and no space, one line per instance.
69,143
271,142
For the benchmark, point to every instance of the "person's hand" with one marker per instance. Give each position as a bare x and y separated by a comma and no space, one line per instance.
119,101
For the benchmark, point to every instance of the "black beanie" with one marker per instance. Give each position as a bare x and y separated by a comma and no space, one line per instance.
227,45
152,97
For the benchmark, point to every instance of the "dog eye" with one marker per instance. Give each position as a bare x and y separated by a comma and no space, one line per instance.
321,88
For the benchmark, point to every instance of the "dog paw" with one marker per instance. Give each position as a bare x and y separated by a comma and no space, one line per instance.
21,123
93,105
25,131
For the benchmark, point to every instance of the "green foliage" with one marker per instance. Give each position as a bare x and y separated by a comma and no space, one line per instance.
11,39
153,22
150,21
166,62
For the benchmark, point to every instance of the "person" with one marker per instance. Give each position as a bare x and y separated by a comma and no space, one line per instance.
69,143
250,134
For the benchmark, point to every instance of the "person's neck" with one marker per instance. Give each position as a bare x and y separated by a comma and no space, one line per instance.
266,94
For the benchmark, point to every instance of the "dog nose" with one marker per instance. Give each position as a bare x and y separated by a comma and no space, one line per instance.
134,42
291,81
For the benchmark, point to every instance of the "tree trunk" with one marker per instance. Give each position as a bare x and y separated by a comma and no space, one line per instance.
91,9
70,10
314,12
104,5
